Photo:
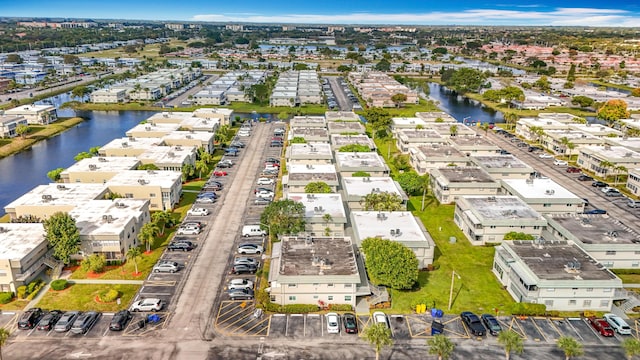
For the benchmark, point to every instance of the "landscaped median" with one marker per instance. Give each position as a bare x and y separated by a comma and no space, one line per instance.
86,297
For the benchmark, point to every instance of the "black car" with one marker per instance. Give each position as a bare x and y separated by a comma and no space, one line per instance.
30,318
491,323
473,323
214,182
85,322
120,320
49,320
238,144
273,160
244,269
584,177
180,246
350,323
276,144
599,184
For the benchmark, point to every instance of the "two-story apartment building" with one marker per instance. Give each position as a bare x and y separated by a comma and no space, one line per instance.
486,219
429,157
129,147
355,189
324,215
22,251
162,188
345,127
544,195
348,163
9,124
474,145
633,181
557,274
450,183
97,169
503,166
198,139
309,153
338,141
310,134
341,116
300,175
608,160
35,114
407,138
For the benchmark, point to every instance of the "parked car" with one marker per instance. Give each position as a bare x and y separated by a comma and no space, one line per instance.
241,294
49,320
225,163
85,322
29,319
188,231
166,266
214,183
240,284
220,173
599,184
238,144
276,144
192,223
473,323
618,324
632,203
273,160
119,320
381,318
545,156
601,326
573,169
265,194
149,304
264,181
559,162
584,177
244,269
350,323
263,201
207,194
333,323
180,246
609,191
491,323
257,190
533,148
66,321
246,261
250,249
198,211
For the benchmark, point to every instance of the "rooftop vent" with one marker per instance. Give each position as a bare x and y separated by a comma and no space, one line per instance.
491,198
46,197
101,159
120,205
92,167
171,154
142,181
573,266
381,216
549,192
125,144
61,187
189,137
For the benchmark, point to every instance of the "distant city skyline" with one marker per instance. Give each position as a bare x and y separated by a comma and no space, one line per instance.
410,12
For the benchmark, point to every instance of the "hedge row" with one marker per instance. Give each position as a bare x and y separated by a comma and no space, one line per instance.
528,309
6,297
291,309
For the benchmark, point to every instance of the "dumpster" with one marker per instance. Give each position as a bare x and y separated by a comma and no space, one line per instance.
436,327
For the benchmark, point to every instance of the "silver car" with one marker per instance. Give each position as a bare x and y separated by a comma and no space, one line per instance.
167,266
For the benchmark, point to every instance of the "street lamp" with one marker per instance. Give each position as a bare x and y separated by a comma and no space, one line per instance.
453,274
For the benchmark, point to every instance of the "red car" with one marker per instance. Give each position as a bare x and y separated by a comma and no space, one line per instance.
572,169
219,173
601,326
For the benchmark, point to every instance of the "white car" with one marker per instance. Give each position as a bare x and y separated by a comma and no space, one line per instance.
244,133
198,211
265,194
235,284
188,231
333,323
545,156
381,318
560,162
150,304
250,249
618,324
264,181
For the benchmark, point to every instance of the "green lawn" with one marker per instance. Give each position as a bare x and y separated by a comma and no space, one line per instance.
14,305
629,278
82,297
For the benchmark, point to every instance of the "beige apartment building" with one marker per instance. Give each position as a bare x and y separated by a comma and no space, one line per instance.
503,166
338,141
592,159
450,183
151,130
308,122
171,158
129,147
162,188
544,195
310,134
345,127
97,170
316,270
407,138
9,124
198,139
341,116
324,214
430,157
35,114
474,145
633,181
486,219
354,189
310,153
22,251
300,175
369,162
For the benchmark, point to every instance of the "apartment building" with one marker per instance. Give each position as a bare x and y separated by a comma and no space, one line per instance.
310,134
429,157
554,140
338,141
406,138
22,251
608,160
503,166
345,128
129,146
633,181
301,174
342,116
35,114
109,96
486,219
474,145
369,162
9,124
558,274
544,195
152,130
415,123
324,215
190,139
162,188
354,189
97,170
378,88
399,226
450,183
436,117
310,153
172,158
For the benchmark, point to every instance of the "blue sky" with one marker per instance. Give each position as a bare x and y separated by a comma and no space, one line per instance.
625,13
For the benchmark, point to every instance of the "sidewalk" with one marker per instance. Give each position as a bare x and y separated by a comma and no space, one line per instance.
100,281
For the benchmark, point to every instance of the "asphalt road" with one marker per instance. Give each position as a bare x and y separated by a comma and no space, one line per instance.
341,98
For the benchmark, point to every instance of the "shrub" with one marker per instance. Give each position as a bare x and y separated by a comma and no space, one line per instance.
341,307
528,309
31,287
35,290
6,297
94,263
22,292
299,308
109,296
59,284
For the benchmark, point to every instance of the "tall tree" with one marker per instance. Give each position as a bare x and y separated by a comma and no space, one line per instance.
22,130
147,234
379,336
619,169
4,336
390,263
441,346
379,118
381,201
511,342
54,174
162,219
201,166
605,166
398,99
284,217
485,128
80,92
63,235
613,110
133,254
317,187
570,346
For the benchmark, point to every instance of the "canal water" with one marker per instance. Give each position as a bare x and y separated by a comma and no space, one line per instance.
462,108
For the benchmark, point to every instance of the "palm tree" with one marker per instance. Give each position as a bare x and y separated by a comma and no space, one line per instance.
538,131
620,169
511,119
453,130
564,141
4,335
631,347
441,345
378,335
512,342
147,234
485,128
163,217
604,166
327,218
570,147
201,166
570,346
133,253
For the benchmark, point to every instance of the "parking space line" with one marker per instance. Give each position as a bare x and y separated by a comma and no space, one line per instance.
161,282
554,327
246,315
304,326
258,323
466,335
574,329
533,321
286,327
511,327
229,306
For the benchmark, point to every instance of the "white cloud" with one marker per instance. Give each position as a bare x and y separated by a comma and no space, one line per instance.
556,17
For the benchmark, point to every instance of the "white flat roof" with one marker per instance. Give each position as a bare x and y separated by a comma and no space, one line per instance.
162,178
90,216
612,152
362,186
18,240
168,154
133,143
295,168
539,189
115,163
202,136
408,121
149,127
359,159
501,207
29,109
59,194
329,203
369,224
313,149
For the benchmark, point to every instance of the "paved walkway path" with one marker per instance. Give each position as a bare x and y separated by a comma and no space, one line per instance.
104,281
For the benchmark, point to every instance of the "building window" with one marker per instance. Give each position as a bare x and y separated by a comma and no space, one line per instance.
315,296
3,273
611,252
292,298
548,302
128,195
152,195
604,303
348,285
347,298
292,285
572,302
546,205
330,297
330,285
589,289
635,264
586,303
606,290
551,289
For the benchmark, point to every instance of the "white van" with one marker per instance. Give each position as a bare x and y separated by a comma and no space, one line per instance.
253,230
633,203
